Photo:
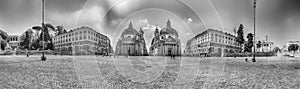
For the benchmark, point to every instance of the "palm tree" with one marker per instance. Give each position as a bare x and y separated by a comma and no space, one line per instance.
47,38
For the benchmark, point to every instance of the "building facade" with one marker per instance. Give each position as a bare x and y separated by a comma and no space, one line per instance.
166,42
82,41
266,46
131,42
13,42
212,43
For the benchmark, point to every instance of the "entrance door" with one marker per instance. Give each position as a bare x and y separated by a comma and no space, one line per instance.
220,52
128,52
170,52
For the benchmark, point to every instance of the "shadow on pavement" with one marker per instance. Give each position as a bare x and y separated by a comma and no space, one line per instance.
16,62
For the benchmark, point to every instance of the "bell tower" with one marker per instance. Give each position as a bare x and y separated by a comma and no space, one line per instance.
156,33
168,23
130,25
141,31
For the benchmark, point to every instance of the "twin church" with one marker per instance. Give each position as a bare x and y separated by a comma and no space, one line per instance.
164,43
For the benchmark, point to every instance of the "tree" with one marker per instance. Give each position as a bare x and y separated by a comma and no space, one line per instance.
3,44
26,39
250,43
258,45
45,33
276,49
294,48
60,30
4,37
240,34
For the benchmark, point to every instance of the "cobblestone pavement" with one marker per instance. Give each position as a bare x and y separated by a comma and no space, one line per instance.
91,72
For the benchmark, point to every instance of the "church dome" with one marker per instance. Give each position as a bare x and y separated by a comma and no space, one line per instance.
130,30
169,29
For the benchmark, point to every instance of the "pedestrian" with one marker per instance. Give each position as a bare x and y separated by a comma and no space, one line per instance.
27,53
246,59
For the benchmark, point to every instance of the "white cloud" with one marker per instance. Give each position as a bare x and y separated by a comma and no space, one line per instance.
150,27
124,6
190,20
90,15
144,21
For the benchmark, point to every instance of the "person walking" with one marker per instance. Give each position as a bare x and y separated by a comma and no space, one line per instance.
27,53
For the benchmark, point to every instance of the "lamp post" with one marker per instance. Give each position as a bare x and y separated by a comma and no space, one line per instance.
254,6
0,43
43,58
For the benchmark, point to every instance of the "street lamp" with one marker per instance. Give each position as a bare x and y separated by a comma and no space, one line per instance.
254,6
0,43
43,58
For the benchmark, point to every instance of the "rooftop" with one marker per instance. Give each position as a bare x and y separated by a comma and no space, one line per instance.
204,32
72,30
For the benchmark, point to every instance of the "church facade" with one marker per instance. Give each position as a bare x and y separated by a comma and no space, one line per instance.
131,42
166,42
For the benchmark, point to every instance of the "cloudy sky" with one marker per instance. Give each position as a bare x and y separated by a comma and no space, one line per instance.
279,19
